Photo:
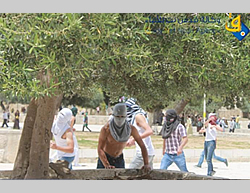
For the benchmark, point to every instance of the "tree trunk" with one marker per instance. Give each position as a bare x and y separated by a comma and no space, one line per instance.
150,119
2,105
22,159
181,105
40,143
156,116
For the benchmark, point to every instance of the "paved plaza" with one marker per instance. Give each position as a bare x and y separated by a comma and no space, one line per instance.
235,170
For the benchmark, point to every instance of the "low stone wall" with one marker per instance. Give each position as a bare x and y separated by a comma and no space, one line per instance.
228,113
57,172
9,141
93,119
136,174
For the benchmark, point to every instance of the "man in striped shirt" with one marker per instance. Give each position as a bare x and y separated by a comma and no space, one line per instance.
175,138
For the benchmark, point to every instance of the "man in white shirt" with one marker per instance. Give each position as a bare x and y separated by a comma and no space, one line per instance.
5,118
138,118
210,141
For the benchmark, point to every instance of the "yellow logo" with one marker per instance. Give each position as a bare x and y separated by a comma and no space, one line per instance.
236,24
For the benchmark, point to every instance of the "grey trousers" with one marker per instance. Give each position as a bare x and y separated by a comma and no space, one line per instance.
138,162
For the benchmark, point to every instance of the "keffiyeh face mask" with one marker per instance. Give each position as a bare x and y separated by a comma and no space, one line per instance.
170,119
119,127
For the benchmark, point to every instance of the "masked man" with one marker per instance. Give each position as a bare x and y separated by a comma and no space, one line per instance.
175,138
65,139
137,117
113,139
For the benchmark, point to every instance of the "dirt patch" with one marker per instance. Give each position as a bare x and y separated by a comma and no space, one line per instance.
89,140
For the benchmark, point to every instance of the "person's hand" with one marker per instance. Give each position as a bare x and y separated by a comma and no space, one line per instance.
213,126
130,142
179,151
53,145
109,167
163,152
146,168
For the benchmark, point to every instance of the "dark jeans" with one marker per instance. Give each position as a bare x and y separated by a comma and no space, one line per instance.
209,148
118,162
85,125
5,123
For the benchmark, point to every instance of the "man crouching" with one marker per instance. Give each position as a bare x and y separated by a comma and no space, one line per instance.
113,139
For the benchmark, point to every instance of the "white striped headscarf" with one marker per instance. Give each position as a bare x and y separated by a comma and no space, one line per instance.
133,109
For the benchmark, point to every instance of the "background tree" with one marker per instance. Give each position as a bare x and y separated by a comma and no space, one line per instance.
91,99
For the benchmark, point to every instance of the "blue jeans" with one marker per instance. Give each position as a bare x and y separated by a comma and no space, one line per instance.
209,148
214,157
179,160
68,159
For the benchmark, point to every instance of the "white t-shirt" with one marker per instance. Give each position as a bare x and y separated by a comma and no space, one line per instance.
211,133
5,115
63,143
147,141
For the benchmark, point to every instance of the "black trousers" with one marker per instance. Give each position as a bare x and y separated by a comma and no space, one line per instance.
5,122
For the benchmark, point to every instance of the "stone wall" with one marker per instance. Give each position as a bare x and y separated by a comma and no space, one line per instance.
58,172
93,119
9,141
223,112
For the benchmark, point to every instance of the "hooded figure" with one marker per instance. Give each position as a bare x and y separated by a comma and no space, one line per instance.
171,123
59,127
62,122
119,126
133,109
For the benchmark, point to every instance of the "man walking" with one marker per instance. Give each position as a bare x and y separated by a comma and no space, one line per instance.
5,118
74,112
86,121
175,138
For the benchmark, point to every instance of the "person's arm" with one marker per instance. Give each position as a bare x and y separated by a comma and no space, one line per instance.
183,143
217,127
144,151
206,122
164,147
182,132
141,122
202,130
70,143
101,144
72,123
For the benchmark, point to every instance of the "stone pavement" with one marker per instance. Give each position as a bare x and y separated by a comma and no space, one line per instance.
235,170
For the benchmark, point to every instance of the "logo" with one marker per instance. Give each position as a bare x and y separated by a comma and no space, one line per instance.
239,29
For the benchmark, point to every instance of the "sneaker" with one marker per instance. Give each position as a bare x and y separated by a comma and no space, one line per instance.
226,163
213,172
197,166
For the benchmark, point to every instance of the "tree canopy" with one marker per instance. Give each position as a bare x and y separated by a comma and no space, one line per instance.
124,54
